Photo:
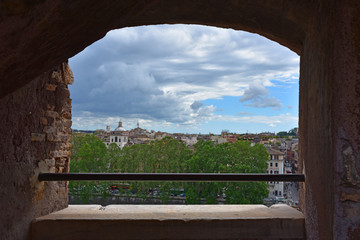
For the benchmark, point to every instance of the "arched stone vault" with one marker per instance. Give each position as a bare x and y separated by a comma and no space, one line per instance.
37,36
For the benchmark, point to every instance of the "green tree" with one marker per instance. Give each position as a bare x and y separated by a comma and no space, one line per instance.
238,157
282,134
163,156
293,132
87,154
168,155
113,155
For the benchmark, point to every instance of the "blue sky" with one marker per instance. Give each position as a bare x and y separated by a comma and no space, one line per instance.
185,78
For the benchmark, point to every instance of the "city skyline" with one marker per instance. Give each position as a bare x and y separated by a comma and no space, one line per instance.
185,78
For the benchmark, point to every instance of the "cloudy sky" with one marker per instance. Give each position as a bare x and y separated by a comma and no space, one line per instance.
185,78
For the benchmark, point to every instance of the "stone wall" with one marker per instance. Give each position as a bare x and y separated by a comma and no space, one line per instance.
35,126
346,117
330,122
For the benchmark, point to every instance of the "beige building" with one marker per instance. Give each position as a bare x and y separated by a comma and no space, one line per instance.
275,166
119,136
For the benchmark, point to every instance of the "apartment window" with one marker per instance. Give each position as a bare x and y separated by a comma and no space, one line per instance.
279,193
271,171
276,164
115,139
271,164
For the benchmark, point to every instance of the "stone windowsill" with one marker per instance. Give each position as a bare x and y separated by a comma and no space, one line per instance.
171,222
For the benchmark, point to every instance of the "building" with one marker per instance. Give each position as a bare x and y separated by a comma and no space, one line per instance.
275,166
218,139
139,135
119,136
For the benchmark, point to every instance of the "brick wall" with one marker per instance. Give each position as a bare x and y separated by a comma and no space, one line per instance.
35,126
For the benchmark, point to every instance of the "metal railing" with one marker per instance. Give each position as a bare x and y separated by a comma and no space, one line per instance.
182,177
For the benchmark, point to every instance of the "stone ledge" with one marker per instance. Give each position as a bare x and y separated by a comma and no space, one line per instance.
171,222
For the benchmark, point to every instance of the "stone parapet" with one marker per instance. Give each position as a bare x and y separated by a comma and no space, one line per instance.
171,222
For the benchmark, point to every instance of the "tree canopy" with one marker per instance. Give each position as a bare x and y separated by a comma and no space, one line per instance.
291,132
238,157
88,154
169,155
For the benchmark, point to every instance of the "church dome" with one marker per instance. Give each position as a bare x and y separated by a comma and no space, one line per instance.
120,128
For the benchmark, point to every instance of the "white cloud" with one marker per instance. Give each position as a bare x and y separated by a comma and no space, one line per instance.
258,96
245,113
196,105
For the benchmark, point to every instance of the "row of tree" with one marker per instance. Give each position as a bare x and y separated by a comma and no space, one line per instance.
292,132
89,154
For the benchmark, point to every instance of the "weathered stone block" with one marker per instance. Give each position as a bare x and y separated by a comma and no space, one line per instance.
68,74
50,162
67,123
50,87
37,137
61,154
56,76
66,114
64,137
60,169
50,107
50,130
52,114
53,138
43,121
353,197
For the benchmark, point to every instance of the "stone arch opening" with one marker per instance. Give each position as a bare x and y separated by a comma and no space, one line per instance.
119,94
